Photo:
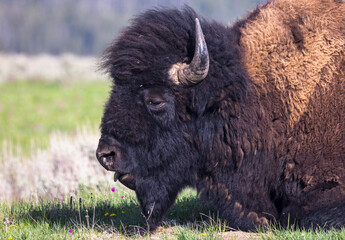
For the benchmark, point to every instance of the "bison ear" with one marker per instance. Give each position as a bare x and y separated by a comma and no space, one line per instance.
197,70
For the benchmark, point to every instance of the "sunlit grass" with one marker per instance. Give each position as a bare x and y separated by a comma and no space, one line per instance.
98,213
93,211
31,111
296,233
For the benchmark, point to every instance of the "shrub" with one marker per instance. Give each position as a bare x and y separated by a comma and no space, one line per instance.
68,162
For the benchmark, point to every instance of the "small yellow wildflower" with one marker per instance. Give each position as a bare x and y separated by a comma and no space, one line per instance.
12,225
203,234
112,215
106,214
123,212
10,237
87,203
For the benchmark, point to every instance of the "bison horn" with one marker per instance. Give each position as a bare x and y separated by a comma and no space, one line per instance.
197,70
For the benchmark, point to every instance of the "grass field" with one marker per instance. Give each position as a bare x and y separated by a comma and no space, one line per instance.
29,114
101,212
31,111
112,212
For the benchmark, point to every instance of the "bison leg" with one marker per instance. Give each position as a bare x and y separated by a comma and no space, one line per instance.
245,210
155,199
246,219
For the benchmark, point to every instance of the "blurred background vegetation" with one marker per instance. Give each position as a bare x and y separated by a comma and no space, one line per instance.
86,27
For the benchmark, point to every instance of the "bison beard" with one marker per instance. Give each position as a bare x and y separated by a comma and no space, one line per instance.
254,120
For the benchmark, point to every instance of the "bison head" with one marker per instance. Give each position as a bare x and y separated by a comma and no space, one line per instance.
157,101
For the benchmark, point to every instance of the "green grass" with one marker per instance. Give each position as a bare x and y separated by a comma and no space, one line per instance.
96,212
297,234
99,213
31,111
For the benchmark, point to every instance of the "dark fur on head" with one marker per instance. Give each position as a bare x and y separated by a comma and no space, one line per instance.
161,38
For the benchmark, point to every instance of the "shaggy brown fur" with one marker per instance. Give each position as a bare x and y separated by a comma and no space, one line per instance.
294,53
287,41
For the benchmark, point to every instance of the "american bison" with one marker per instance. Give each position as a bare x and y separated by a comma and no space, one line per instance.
251,115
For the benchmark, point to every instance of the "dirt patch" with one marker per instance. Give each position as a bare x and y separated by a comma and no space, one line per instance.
178,232
239,235
173,232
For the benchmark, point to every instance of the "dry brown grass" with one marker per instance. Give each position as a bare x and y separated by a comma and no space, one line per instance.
68,162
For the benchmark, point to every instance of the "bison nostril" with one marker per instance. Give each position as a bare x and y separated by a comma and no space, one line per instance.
107,159
111,155
108,153
102,155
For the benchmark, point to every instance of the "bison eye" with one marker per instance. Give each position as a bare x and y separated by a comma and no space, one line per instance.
155,103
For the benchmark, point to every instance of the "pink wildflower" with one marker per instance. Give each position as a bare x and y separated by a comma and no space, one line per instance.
113,189
122,197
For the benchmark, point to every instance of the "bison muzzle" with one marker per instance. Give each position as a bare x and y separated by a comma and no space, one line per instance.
110,154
